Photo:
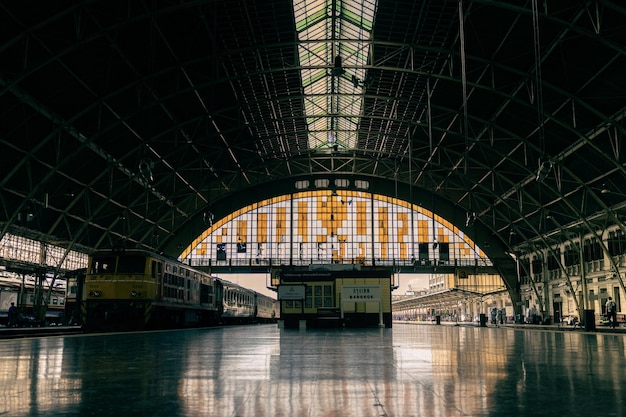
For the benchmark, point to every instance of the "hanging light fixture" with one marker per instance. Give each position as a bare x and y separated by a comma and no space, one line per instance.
470,219
337,70
544,170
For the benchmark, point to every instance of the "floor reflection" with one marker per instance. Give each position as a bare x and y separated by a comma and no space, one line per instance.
410,370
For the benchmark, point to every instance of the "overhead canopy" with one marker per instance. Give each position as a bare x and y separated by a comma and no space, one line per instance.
442,300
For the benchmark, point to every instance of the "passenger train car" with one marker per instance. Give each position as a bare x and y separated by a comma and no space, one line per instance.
137,289
242,305
74,296
29,298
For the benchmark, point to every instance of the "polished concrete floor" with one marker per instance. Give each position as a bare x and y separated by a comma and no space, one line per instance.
256,371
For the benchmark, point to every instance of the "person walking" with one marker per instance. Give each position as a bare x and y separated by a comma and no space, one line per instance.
12,316
611,312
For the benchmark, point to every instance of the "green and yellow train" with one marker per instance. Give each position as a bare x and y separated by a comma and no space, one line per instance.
137,289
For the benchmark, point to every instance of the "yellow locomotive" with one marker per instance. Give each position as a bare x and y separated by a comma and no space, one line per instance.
137,289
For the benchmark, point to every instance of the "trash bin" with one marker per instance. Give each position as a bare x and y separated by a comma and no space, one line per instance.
437,319
590,320
483,320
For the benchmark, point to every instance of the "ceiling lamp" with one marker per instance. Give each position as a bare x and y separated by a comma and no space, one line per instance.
338,68
145,169
544,169
470,219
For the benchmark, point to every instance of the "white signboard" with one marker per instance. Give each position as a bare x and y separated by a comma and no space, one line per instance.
291,292
359,293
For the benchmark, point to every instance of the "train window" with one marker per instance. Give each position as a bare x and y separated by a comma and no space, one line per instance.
289,303
103,265
131,264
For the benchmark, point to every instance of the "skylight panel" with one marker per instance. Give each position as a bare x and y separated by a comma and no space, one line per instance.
333,95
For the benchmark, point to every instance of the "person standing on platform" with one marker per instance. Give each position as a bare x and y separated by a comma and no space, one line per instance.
12,316
611,312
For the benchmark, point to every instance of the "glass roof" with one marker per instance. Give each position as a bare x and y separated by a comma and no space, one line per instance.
328,29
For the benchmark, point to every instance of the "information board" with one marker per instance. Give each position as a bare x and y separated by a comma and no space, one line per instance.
291,292
359,293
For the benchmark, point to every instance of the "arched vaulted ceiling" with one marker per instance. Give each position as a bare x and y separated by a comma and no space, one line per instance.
130,120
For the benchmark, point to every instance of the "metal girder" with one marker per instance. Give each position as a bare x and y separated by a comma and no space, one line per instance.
215,106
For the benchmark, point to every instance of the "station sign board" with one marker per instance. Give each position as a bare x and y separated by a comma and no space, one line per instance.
359,293
291,292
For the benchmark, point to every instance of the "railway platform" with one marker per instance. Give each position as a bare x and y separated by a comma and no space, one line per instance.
37,331
261,370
